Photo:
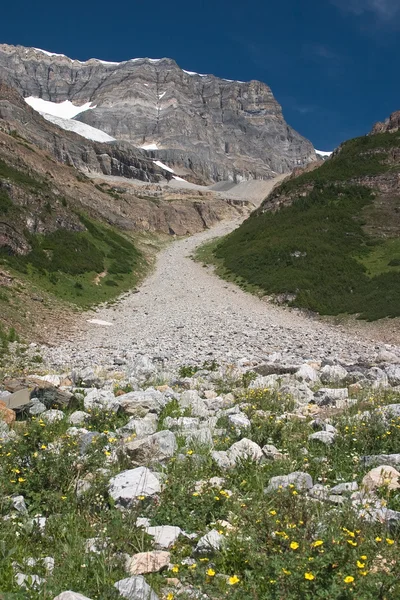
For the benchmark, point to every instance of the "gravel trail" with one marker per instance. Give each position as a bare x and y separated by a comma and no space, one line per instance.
184,313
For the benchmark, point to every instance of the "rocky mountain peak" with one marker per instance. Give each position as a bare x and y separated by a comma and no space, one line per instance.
214,128
389,125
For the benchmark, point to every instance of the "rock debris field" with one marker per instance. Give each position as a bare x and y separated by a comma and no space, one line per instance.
184,314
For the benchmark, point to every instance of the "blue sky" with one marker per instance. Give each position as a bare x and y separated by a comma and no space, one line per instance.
332,64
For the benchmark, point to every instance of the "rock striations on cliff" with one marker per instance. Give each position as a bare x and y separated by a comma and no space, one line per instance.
210,128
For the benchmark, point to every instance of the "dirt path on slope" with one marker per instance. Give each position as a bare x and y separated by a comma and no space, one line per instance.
184,314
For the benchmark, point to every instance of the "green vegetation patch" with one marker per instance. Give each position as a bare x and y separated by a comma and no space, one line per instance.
318,249
67,263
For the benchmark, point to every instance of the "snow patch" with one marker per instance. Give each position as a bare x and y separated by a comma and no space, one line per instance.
49,53
178,178
323,153
82,129
161,95
194,73
100,322
162,166
149,147
65,110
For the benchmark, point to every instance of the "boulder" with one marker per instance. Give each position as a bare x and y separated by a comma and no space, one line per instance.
209,543
164,536
7,415
381,459
140,428
245,449
125,487
382,476
330,396
52,416
101,400
147,562
154,448
333,374
308,374
299,479
191,400
325,437
393,373
142,402
79,417
240,420
135,588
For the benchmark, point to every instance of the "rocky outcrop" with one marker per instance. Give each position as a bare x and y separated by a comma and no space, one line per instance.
218,129
389,125
120,159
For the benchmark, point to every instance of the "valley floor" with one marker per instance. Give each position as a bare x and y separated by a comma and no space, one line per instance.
185,314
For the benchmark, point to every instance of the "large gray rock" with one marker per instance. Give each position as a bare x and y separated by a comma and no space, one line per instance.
192,401
212,541
142,402
330,396
218,129
154,448
135,588
300,480
393,373
140,428
372,460
245,449
101,400
164,536
333,374
125,487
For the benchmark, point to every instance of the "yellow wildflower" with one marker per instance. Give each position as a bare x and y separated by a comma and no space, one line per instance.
175,569
388,540
233,580
210,572
309,576
360,564
294,545
348,579
317,543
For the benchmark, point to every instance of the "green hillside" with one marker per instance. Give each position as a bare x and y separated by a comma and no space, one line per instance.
336,242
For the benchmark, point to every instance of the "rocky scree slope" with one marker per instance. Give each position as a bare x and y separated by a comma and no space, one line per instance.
329,239
145,484
213,128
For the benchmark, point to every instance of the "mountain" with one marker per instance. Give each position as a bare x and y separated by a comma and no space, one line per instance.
79,239
328,239
209,129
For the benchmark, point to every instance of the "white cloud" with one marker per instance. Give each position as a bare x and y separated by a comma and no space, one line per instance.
384,10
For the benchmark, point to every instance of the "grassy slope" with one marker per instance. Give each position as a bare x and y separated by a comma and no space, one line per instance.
66,263
342,268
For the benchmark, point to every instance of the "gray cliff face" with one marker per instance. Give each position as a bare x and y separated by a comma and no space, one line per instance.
215,128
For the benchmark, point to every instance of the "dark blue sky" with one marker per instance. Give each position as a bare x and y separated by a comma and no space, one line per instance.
332,64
